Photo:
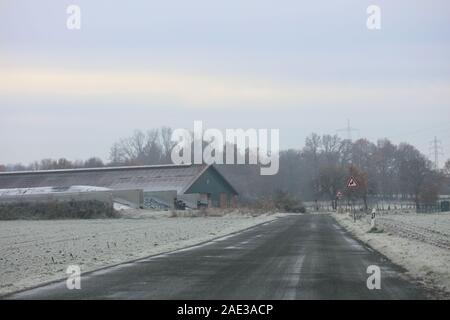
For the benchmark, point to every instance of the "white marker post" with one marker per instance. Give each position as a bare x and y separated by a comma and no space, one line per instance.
373,223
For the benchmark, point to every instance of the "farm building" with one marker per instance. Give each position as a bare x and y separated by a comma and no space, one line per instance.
161,185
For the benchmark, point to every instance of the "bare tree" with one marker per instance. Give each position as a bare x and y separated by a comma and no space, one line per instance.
167,144
413,169
311,154
93,162
429,190
386,168
447,168
331,179
361,190
139,149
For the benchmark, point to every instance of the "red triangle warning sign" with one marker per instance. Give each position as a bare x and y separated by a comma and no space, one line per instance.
352,183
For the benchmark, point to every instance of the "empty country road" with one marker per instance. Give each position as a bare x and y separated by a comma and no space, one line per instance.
295,257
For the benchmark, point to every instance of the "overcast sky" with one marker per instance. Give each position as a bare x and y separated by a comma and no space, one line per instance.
299,66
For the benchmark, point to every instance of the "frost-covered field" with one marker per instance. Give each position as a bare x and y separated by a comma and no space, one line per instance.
32,252
418,242
429,228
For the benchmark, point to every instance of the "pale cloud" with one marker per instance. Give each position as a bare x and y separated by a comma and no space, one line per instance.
204,90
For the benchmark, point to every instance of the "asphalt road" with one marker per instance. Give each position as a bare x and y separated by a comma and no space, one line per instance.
295,257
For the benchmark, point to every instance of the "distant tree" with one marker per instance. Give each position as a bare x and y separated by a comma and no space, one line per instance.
166,143
331,144
414,167
35,166
78,164
311,156
17,167
142,148
93,162
331,181
63,163
447,168
363,158
312,143
429,190
345,152
361,191
117,155
2,168
386,168
46,164
50,164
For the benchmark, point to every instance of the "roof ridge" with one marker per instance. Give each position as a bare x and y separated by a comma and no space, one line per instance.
158,166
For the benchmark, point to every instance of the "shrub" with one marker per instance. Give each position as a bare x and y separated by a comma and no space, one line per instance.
82,209
285,202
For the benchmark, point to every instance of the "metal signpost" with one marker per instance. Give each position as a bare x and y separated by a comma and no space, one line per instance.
351,184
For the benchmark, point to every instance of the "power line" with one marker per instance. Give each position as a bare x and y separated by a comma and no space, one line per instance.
436,146
439,127
349,130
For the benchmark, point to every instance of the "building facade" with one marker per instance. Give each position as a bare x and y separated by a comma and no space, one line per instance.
162,184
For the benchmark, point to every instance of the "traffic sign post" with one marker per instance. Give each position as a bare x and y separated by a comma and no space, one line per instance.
351,184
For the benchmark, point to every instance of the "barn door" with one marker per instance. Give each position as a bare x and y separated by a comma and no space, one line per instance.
223,200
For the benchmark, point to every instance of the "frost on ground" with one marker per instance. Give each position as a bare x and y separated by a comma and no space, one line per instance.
418,242
32,252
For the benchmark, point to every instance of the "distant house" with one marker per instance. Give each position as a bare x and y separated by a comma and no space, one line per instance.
161,184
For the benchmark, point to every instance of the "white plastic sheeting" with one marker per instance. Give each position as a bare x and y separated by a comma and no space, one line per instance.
48,190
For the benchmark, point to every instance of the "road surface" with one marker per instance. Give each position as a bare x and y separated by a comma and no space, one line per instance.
295,257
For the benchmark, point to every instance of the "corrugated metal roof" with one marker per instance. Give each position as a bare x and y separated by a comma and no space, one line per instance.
148,178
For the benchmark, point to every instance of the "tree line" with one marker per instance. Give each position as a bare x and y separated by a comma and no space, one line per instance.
321,170
141,148
318,171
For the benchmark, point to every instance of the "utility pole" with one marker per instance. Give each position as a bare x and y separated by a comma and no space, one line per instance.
436,148
349,130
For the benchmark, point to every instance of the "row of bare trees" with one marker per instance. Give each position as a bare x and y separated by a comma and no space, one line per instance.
322,168
141,148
